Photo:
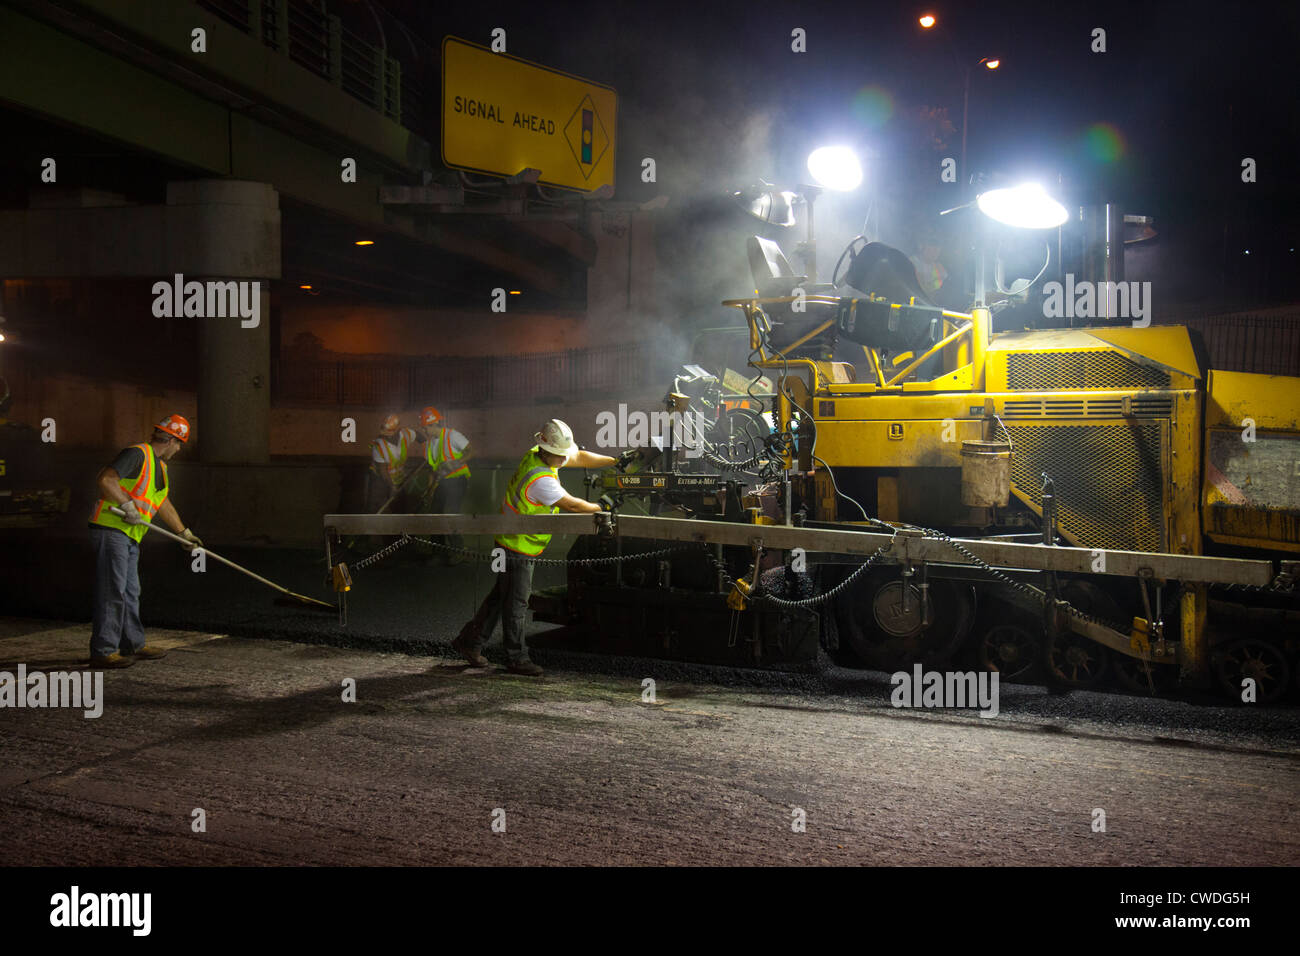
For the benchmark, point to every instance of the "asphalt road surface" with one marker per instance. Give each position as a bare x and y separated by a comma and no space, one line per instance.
582,769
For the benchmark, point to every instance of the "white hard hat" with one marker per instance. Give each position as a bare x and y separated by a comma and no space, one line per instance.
556,437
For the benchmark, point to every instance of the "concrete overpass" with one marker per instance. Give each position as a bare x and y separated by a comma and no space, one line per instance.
216,140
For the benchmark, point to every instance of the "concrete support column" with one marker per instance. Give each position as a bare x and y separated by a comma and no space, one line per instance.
234,425
234,235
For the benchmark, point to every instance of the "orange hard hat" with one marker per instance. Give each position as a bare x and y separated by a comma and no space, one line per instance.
390,425
176,426
430,416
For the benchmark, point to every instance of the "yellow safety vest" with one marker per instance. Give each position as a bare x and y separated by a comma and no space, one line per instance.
438,449
530,470
147,499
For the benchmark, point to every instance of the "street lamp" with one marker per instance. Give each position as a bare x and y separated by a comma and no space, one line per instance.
989,63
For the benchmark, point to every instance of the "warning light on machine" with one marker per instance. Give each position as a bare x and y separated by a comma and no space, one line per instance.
835,167
1025,207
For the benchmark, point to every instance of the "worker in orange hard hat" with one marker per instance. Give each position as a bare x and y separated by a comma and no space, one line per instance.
136,484
447,453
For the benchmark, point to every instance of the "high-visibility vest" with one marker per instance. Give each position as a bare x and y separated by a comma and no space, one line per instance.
394,456
147,498
530,470
438,449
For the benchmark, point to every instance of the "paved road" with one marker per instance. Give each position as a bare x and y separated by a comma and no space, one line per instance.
255,732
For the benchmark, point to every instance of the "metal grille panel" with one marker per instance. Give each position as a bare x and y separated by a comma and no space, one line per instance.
1061,370
1108,480
1093,407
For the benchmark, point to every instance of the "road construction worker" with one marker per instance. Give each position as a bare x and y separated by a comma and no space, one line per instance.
930,272
447,453
136,483
388,464
535,489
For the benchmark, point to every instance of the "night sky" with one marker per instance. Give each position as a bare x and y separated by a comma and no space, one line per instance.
1159,123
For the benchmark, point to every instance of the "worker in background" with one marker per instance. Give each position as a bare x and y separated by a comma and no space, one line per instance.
535,489
136,483
388,457
447,453
930,272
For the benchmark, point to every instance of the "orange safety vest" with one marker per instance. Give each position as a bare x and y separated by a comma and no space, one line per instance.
147,498
394,459
439,450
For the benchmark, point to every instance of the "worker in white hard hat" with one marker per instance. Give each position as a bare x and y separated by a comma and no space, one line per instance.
389,452
535,489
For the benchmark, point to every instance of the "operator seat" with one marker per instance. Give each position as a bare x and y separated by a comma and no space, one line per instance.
774,277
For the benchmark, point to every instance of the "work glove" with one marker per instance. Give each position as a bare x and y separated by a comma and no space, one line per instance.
628,457
130,514
194,541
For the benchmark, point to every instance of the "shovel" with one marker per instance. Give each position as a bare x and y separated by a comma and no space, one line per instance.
302,598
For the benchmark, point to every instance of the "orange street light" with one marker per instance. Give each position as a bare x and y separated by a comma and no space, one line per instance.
927,21
365,242
991,64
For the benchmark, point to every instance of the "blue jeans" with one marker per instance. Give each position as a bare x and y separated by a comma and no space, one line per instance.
117,593
507,602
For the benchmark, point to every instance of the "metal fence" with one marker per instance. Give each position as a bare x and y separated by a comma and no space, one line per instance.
1268,344
308,34
405,382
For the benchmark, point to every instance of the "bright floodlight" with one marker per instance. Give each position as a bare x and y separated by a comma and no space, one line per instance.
835,167
927,21
992,64
1026,207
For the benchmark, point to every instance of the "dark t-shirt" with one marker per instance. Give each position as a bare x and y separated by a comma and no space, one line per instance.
128,463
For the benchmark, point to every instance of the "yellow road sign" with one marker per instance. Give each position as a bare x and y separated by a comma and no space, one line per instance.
501,114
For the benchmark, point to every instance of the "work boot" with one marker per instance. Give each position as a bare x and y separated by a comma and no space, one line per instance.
526,668
461,646
146,652
111,661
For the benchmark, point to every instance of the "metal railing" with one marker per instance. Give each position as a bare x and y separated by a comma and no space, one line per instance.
406,382
309,35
